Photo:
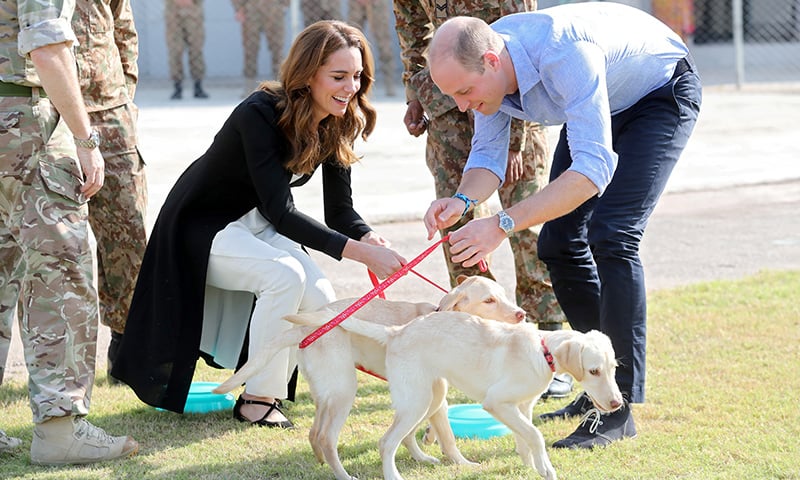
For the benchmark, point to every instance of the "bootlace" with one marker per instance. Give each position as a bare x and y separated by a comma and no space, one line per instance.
90,431
593,417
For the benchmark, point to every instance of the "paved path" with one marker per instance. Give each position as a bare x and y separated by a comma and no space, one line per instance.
731,208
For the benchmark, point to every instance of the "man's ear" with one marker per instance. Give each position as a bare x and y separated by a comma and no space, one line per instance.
491,60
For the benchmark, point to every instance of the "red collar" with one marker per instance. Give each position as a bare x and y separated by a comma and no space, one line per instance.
548,356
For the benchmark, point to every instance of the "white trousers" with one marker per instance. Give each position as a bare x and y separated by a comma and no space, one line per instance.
284,280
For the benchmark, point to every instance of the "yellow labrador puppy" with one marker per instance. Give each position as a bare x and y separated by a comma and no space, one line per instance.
327,364
506,367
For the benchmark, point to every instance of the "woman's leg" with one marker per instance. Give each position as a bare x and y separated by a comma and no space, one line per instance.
284,280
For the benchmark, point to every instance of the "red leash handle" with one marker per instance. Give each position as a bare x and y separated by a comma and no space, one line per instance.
369,296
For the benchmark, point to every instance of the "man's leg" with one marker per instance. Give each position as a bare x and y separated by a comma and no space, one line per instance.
649,138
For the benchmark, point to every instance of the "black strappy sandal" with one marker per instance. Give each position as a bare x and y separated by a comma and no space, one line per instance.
262,422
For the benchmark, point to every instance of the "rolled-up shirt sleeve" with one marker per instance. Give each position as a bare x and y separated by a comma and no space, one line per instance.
42,26
490,144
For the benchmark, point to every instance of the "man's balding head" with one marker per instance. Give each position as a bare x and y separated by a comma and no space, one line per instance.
465,39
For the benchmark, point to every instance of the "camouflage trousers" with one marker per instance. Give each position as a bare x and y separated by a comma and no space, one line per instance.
316,10
185,31
267,17
448,146
117,214
46,257
376,16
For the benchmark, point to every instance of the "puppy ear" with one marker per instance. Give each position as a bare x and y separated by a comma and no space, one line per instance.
569,358
450,301
460,279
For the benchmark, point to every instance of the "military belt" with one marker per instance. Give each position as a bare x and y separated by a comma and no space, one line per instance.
16,90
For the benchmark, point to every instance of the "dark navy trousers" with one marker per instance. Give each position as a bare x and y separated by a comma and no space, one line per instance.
592,253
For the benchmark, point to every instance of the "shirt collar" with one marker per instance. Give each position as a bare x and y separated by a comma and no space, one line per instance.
527,75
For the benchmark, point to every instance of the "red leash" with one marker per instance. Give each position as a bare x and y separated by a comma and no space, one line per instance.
369,296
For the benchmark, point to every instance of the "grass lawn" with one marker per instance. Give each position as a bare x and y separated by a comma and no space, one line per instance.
723,383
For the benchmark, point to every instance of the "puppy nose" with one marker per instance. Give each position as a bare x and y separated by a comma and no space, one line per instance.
520,315
615,404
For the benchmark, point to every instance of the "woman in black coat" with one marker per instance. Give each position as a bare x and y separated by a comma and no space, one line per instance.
229,229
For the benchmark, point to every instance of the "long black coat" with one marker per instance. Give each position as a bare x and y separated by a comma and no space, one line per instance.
241,170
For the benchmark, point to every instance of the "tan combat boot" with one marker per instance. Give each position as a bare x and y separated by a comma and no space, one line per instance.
73,440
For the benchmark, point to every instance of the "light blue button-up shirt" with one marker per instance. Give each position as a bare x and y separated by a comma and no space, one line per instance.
577,64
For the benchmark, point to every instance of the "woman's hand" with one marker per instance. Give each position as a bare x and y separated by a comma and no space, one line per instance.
380,259
373,238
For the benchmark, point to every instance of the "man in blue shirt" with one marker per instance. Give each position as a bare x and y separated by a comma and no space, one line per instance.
627,92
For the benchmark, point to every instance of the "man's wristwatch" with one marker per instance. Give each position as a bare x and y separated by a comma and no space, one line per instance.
91,143
506,222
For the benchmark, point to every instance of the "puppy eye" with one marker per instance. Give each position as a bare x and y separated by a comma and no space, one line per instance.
490,300
594,372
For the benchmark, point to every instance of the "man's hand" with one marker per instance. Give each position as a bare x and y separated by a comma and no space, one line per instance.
475,241
415,119
93,168
441,214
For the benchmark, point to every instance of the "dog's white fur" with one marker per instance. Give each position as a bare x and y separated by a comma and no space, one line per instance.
499,365
327,364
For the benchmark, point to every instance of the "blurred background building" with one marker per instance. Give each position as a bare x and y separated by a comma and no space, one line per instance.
733,41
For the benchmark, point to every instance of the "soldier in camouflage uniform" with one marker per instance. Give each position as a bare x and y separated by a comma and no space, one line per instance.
256,17
47,255
449,139
376,14
108,49
185,27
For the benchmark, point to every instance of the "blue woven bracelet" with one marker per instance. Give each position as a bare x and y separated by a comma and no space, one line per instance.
468,201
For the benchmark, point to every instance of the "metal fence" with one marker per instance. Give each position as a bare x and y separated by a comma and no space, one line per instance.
243,41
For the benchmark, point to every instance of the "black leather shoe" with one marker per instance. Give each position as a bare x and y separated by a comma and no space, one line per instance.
560,386
576,408
262,422
599,429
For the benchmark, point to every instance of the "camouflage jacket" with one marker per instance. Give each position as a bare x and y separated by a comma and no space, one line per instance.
26,25
415,21
107,53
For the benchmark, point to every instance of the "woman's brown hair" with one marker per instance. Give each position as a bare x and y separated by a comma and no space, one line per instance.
335,136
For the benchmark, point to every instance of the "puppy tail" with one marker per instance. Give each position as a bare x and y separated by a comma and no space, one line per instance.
288,338
377,332
315,318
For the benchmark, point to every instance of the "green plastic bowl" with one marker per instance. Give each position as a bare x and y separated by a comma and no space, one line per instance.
472,421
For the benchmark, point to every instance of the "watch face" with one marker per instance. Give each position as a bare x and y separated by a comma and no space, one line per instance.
506,223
